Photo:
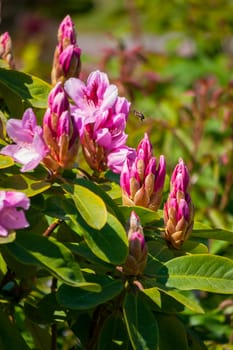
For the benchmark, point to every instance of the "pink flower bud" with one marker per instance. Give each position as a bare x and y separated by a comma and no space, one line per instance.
178,210
6,52
60,131
137,258
66,62
141,180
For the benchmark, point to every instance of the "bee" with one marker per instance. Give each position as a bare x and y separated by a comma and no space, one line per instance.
138,114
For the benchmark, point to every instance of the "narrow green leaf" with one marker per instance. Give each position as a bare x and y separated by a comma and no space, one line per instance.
222,235
90,206
154,295
79,299
31,249
10,337
40,334
141,323
201,271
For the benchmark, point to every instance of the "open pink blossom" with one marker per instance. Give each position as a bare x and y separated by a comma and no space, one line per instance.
12,216
101,115
29,148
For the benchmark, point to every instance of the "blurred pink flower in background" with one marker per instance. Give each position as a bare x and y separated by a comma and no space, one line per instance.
101,116
12,216
141,180
29,148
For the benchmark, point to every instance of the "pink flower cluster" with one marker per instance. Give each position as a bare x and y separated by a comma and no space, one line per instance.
101,116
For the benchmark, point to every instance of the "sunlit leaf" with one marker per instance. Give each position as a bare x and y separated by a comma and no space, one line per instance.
201,271
90,206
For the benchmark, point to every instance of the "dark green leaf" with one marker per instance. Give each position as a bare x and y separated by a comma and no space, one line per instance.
31,249
10,337
114,335
79,299
141,323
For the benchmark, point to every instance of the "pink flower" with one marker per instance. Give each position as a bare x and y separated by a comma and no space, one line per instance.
66,61
60,131
12,216
141,180
178,210
29,148
101,115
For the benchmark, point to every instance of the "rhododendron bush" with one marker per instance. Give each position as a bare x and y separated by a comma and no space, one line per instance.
100,248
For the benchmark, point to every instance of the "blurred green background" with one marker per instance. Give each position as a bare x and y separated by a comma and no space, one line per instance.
173,60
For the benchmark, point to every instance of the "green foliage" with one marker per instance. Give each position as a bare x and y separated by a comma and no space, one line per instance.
62,277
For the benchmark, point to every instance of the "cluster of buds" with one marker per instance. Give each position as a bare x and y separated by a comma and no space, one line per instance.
66,61
141,181
136,260
60,131
178,210
6,52
101,115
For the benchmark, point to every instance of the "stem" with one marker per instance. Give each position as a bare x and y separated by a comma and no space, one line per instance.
51,228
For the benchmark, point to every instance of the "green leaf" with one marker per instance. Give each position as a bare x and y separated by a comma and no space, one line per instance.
25,183
6,162
10,337
79,299
223,235
154,295
109,244
40,334
114,335
23,87
31,249
201,271
172,334
99,190
90,206
141,323
146,215
8,239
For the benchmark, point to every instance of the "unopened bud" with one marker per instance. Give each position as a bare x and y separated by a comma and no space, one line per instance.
178,210
6,52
